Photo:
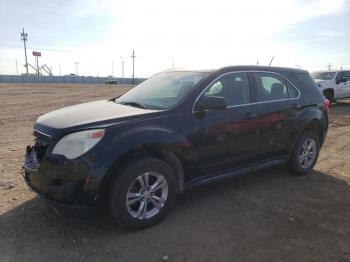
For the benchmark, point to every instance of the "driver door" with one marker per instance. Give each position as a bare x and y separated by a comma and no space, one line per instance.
343,87
226,138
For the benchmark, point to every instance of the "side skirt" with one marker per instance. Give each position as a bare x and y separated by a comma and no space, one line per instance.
235,172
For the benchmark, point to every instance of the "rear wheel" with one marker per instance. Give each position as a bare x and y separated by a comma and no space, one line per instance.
142,193
305,153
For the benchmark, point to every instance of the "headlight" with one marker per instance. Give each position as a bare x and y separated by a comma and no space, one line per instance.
76,144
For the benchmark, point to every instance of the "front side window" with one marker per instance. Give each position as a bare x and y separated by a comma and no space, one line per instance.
234,87
343,74
340,75
163,90
323,75
271,87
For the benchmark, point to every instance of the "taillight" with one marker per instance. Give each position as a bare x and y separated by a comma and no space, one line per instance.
326,105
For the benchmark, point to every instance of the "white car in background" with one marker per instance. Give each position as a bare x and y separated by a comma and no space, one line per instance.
111,80
334,84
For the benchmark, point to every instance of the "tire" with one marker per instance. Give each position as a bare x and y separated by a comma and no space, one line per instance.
296,164
128,182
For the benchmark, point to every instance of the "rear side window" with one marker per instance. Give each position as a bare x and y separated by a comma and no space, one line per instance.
271,87
234,87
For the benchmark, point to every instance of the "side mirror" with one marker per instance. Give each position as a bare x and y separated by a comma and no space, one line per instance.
210,103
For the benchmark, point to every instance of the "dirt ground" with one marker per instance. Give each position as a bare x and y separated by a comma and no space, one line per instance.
269,215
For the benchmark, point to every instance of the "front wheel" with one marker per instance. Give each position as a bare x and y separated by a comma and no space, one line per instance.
142,193
305,153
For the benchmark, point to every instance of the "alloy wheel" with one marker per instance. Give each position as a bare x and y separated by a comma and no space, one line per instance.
147,195
307,153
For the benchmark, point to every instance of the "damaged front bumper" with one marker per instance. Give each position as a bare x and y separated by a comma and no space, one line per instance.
71,187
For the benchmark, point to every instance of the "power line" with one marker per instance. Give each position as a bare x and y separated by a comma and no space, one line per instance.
41,48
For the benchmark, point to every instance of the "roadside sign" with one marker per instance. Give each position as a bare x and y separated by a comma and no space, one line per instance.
36,53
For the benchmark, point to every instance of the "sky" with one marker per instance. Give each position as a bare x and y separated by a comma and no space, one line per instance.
100,34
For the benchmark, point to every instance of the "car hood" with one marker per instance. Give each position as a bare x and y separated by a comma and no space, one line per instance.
103,112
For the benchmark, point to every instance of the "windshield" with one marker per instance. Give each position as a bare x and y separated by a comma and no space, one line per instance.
163,90
323,75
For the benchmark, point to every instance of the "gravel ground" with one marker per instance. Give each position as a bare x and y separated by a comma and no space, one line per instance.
268,215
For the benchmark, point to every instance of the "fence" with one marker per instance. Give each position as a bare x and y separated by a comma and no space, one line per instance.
64,79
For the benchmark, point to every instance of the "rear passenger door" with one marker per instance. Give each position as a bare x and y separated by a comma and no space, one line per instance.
278,102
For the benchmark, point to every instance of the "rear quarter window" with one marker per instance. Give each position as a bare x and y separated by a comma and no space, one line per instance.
306,79
306,83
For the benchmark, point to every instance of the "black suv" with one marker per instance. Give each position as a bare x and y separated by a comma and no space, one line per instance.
131,155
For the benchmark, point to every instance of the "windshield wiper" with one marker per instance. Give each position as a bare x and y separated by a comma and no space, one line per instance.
114,99
133,104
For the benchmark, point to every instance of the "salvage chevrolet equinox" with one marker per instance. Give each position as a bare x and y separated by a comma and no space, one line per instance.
131,155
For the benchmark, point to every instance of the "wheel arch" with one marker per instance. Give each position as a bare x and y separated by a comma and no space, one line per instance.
159,151
316,126
313,119
329,90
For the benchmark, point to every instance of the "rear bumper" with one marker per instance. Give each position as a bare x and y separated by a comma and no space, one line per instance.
71,187
325,129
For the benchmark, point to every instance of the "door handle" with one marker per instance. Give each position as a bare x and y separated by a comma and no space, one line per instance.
251,115
296,106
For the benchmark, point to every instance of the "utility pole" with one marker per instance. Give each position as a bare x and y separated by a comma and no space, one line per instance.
24,38
59,65
76,68
36,54
37,65
329,66
16,67
257,62
122,64
112,68
133,66
271,60
173,62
